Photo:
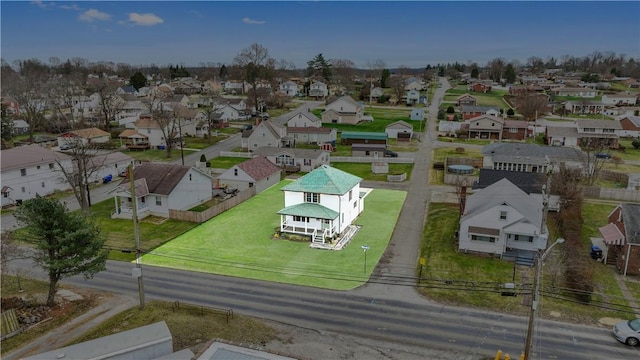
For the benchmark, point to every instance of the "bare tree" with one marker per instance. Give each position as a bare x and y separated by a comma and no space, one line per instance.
31,94
593,160
531,105
396,84
165,117
111,104
343,73
496,67
257,66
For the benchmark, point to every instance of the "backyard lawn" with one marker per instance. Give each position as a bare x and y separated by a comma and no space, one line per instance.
239,242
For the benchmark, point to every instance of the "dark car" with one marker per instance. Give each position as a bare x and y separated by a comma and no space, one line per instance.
389,153
596,252
603,156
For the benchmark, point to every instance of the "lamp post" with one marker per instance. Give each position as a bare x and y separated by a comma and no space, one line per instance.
365,248
535,299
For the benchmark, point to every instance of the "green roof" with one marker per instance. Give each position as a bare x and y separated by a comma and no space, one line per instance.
310,210
363,135
324,180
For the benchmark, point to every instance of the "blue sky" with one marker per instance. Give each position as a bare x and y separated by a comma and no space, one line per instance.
412,33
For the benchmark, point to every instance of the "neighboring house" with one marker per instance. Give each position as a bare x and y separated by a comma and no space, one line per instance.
471,111
514,130
502,220
466,99
530,157
312,135
401,130
415,84
227,112
32,170
598,133
234,87
148,127
133,140
267,133
561,136
321,204
525,89
294,160
413,97
575,92
619,100
479,87
160,188
343,110
20,127
449,128
368,150
629,126
304,119
318,90
485,127
84,137
363,137
584,107
417,114
257,172
85,107
622,237
530,183
289,88
376,93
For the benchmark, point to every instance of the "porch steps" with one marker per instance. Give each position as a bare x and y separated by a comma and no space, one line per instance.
525,261
342,242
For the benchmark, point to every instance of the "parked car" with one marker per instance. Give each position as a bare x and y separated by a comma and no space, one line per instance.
628,332
65,147
389,153
603,156
596,252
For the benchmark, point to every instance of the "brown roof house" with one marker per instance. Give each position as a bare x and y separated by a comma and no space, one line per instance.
84,137
258,172
622,237
160,188
294,160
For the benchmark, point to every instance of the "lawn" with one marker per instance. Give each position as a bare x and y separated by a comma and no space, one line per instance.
440,154
119,232
363,170
156,155
239,242
226,162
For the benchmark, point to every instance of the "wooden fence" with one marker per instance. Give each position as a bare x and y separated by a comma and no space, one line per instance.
476,163
200,217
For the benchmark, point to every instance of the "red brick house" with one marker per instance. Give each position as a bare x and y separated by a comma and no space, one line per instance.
467,99
479,87
514,130
471,111
622,237
630,125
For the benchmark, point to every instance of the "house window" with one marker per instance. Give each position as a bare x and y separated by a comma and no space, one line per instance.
300,218
23,189
367,153
526,238
483,238
42,184
23,172
5,194
608,131
589,130
190,177
503,215
355,204
312,197
235,172
307,162
143,199
51,166
38,167
250,184
513,130
158,201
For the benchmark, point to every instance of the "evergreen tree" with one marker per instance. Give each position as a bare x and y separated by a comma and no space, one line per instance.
138,80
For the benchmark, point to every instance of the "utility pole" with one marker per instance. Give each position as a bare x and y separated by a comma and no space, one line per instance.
535,297
137,272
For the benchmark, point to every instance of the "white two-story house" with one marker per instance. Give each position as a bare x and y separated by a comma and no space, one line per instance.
32,170
343,110
321,204
501,219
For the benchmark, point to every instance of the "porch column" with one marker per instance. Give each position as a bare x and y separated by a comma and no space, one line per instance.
115,199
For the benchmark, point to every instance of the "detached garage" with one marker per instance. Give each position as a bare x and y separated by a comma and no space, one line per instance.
401,130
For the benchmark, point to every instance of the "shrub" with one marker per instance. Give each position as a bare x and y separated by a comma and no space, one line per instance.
636,144
510,112
451,110
440,115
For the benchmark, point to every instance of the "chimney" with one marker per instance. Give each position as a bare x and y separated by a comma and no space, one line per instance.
463,197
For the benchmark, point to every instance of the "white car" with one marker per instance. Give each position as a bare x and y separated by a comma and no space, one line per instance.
628,331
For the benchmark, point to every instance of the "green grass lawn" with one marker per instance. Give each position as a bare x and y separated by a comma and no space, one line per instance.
226,162
440,154
363,170
239,242
156,155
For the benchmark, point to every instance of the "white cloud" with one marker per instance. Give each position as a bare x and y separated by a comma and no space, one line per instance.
145,19
73,7
93,14
253,22
41,4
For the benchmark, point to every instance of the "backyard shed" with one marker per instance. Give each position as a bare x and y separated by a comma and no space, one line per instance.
363,137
